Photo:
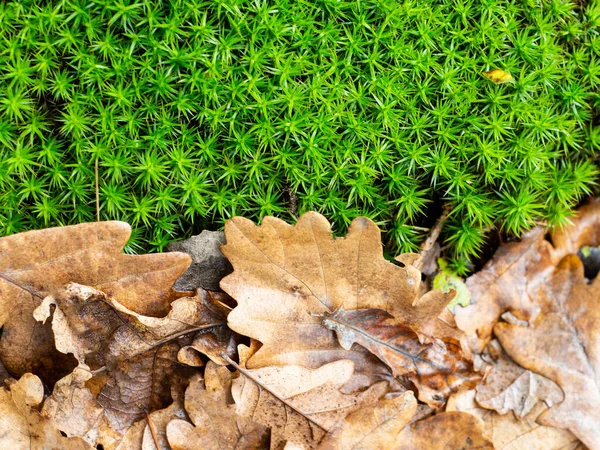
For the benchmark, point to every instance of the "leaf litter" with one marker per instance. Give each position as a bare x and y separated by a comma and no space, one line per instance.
312,342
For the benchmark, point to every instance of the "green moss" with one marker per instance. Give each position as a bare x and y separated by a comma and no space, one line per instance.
200,110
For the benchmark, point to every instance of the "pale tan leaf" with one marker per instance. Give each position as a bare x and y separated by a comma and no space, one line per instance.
287,277
374,426
564,345
509,387
22,427
215,425
300,405
508,433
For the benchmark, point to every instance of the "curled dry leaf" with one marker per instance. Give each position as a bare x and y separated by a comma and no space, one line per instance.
40,263
299,404
133,357
508,433
509,387
502,286
564,345
373,426
506,282
22,427
216,425
436,369
287,278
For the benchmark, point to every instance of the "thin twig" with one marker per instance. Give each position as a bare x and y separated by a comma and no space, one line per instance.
251,377
434,233
97,192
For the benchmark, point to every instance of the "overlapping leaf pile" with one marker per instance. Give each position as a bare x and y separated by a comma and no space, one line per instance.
315,342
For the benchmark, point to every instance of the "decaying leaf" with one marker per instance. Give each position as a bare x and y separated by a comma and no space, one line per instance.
22,427
287,278
437,369
509,387
215,422
444,431
374,426
508,433
36,264
134,357
502,285
564,346
300,405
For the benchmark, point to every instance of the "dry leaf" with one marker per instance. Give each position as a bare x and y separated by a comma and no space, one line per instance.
502,285
22,427
564,345
216,424
498,76
133,357
508,433
436,369
509,387
300,405
444,431
40,263
585,230
374,426
286,278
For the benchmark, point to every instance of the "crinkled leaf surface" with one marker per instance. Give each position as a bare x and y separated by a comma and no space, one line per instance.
299,404
508,433
287,277
510,387
38,263
564,346
374,426
215,423
437,369
22,427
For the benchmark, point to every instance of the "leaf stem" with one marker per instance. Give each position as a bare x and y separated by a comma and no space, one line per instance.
256,381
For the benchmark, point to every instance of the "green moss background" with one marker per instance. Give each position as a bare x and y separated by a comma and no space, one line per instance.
200,110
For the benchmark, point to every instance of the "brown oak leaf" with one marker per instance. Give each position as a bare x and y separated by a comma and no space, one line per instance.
22,427
374,426
286,278
38,263
216,425
133,358
564,346
300,405
508,433
437,369
510,387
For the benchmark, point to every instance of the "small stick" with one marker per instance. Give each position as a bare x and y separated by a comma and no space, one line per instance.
434,233
97,193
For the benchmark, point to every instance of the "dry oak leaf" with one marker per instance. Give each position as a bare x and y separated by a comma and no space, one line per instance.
509,387
22,427
373,426
216,424
38,263
134,357
300,405
502,286
437,369
444,431
287,278
584,230
506,281
564,346
151,432
508,433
